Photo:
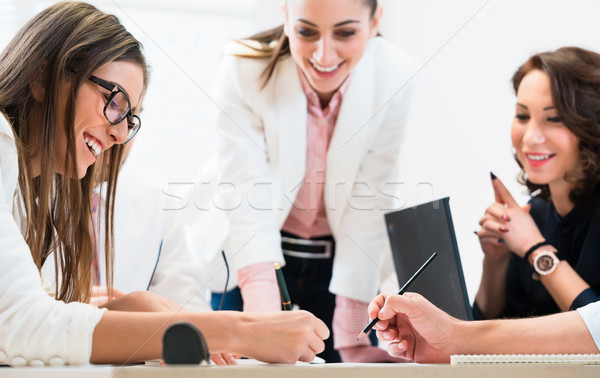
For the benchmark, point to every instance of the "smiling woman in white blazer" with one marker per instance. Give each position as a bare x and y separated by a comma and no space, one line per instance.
72,83
263,146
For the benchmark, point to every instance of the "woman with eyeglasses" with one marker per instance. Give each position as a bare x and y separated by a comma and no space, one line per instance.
71,87
310,122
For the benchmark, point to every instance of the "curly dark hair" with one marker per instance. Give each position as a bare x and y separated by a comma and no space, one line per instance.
575,86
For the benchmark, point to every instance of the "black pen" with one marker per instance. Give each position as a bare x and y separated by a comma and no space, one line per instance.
283,291
402,290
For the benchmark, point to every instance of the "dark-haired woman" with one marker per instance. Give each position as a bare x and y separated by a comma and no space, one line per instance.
555,239
71,87
310,126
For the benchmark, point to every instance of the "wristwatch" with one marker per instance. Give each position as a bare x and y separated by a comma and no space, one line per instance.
545,263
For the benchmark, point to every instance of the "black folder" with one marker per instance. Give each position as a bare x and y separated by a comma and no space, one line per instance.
414,234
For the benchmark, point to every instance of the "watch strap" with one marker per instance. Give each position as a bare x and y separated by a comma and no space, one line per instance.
534,248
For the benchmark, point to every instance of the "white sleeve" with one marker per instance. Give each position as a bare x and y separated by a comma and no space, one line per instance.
591,317
178,276
360,250
34,328
247,186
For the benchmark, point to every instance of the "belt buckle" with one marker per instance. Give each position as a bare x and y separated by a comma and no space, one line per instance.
308,255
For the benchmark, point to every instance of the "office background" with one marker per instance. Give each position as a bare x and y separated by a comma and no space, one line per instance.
459,125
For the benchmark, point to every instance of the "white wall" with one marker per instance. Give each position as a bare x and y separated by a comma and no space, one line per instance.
459,126
460,123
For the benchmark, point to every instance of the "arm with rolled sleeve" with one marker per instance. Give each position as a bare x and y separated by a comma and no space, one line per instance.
360,255
247,188
360,249
361,239
178,276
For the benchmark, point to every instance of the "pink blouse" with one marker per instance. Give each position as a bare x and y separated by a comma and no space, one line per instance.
308,218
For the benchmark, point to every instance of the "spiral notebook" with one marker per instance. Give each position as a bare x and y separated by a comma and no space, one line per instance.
562,359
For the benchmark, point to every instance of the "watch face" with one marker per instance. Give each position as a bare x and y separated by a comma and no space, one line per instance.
545,263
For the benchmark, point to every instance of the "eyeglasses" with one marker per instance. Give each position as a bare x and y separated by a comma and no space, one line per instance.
118,107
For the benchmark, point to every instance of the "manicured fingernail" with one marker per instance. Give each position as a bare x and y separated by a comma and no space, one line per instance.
503,229
475,232
500,240
505,218
492,175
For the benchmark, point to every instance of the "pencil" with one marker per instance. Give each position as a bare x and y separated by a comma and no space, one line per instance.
283,291
402,290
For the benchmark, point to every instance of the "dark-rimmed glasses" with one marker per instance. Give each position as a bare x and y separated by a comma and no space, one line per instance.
118,107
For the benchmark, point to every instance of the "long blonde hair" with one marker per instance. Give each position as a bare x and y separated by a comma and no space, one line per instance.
65,43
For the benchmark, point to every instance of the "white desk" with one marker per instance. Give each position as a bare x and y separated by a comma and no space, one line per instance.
312,371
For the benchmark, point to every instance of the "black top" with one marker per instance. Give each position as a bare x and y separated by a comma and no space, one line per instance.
576,236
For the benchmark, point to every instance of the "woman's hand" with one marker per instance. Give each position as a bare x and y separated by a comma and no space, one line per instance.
280,337
367,354
223,359
506,226
491,240
100,295
417,330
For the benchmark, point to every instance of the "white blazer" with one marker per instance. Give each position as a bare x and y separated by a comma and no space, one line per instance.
34,328
262,156
151,249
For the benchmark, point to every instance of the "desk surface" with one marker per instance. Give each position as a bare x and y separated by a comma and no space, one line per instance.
313,371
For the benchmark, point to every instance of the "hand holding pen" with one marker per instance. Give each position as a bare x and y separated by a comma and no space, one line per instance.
402,290
417,330
287,302
283,291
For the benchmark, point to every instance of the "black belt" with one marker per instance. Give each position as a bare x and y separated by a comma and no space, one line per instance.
316,248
